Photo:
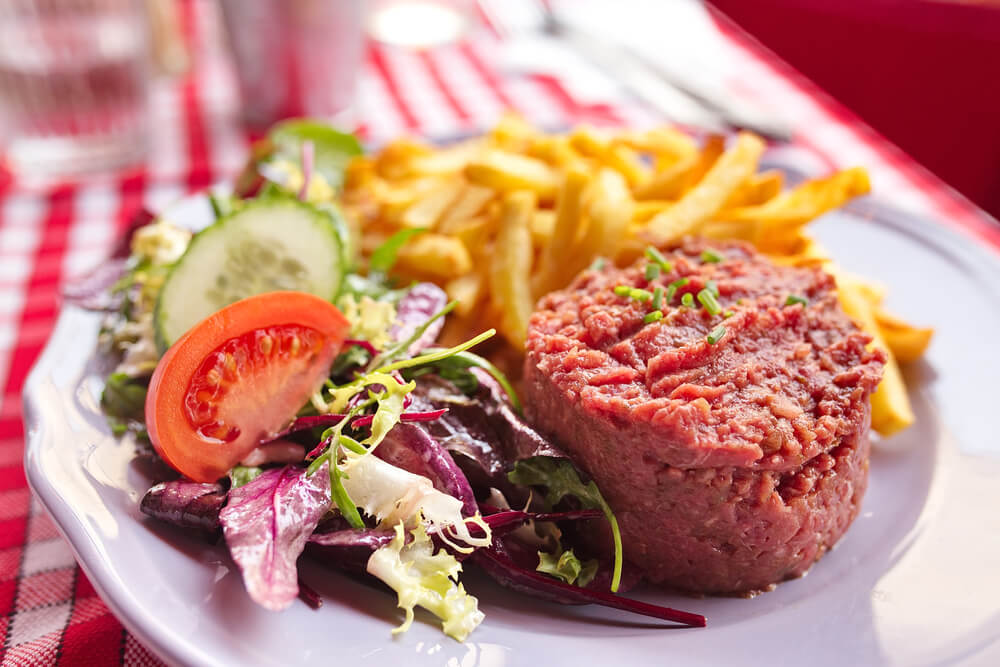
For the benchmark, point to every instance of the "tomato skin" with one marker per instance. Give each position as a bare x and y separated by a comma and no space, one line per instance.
219,390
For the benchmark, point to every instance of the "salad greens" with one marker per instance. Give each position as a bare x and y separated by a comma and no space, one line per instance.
409,445
267,523
123,401
423,578
561,478
567,567
332,149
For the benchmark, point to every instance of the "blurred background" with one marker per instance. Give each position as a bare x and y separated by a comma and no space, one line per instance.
86,86
924,73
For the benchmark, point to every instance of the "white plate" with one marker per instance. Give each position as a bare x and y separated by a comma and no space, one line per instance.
915,581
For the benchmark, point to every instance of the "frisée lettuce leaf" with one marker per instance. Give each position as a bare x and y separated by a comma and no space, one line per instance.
423,578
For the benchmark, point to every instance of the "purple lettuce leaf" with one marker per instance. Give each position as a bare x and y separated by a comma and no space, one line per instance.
92,290
503,521
419,304
465,430
409,447
266,524
483,432
347,548
518,439
497,561
189,505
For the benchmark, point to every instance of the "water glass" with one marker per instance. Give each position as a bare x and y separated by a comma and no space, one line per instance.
73,84
295,57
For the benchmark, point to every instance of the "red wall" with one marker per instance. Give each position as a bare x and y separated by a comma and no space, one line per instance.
925,74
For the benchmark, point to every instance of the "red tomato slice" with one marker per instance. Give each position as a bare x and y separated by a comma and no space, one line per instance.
239,376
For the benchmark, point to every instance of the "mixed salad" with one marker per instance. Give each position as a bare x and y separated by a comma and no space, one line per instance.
305,408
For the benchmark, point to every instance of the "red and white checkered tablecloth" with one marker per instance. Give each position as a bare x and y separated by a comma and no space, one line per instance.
53,231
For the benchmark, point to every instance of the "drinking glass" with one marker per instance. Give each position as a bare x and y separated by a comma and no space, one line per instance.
295,57
73,84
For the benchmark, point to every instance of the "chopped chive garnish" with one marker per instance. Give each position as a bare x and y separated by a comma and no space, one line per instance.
671,291
716,335
640,294
655,255
711,257
658,297
794,299
727,314
707,299
652,271
680,282
653,316
598,264
713,288
687,300
622,290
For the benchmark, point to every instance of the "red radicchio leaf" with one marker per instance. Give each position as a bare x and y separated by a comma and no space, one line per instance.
185,504
266,524
348,549
363,344
413,310
500,566
409,447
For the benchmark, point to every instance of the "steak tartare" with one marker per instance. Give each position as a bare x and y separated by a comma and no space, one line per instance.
729,436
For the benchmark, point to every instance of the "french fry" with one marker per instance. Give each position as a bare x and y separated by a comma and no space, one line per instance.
554,150
543,222
425,211
907,342
661,142
512,132
393,161
620,157
759,189
891,411
672,182
476,232
446,161
511,266
808,201
564,233
609,210
507,172
466,290
705,199
434,256
470,202
644,211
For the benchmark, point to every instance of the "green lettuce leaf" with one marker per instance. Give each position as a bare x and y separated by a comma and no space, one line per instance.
567,567
561,479
243,475
332,149
124,402
384,256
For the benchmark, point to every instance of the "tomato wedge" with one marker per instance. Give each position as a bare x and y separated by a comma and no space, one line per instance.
238,377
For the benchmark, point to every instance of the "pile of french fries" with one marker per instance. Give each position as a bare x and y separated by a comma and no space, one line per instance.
516,213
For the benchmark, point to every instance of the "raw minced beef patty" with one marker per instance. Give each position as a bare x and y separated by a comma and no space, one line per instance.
730,466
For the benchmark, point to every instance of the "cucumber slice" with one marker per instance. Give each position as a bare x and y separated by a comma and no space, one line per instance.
266,245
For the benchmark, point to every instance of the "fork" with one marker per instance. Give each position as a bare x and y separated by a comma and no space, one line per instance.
687,102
